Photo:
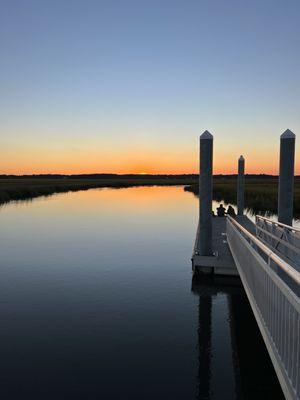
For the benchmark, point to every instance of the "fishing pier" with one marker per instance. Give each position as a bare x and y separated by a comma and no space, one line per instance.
265,254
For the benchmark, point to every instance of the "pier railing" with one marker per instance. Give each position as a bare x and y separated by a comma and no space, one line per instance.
269,281
282,239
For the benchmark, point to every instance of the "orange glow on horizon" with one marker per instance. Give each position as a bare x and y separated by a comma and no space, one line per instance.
135,160
262,168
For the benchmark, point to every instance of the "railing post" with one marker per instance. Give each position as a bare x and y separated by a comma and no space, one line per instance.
205,192
286,178
241,186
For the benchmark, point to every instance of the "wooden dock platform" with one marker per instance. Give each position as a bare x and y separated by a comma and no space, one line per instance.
221,263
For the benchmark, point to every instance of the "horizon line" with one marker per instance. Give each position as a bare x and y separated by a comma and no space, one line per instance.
107,174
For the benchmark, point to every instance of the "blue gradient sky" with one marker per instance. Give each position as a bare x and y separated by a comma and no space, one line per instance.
127,86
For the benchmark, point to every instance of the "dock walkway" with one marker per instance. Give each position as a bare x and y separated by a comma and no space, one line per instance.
221,263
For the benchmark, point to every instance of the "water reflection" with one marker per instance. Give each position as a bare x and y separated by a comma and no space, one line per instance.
96,303
227,330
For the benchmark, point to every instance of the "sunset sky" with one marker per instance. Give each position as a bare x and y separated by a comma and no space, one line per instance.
128,86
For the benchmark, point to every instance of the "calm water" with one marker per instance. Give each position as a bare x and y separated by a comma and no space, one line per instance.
97,301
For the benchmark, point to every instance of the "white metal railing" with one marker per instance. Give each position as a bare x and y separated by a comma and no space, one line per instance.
272,288
282,239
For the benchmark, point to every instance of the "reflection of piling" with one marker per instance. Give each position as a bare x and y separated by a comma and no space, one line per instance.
206,187
241,186
286,178
245,353
204,340
207,288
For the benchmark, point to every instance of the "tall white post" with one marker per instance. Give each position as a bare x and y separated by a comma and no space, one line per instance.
286,177
241,186
205,191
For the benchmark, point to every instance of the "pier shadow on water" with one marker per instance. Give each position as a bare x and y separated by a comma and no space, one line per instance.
223,303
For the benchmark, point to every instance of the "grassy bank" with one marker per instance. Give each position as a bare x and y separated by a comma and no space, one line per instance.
260,193
29,187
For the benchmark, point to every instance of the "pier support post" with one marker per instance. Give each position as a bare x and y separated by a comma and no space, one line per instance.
286,177
205,192
241,186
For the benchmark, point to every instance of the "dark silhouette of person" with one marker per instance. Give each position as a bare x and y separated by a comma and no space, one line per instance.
221,211
230,211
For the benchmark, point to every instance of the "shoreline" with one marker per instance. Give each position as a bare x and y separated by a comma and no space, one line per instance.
27,188
260,190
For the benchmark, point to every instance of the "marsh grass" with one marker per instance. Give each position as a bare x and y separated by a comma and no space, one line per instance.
260,194
25,188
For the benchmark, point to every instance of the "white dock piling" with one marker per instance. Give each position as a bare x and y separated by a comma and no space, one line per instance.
286,177
205,191
241,186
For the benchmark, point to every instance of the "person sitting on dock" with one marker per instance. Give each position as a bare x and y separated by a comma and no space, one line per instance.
230,211
221,211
